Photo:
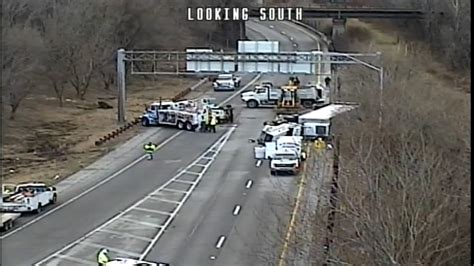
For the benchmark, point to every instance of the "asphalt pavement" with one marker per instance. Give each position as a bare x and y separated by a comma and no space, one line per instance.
238,214
132,205
88,201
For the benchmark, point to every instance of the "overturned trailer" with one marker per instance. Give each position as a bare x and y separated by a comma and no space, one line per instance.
317,123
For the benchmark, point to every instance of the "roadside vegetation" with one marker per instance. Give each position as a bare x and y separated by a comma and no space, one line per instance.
58,61
403,196
405,188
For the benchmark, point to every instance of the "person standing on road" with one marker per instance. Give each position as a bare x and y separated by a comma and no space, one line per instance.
207,118
150,148
213,123
202,124
230,113
103,257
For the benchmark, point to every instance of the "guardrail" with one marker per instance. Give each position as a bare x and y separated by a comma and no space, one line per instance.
115,133
321,35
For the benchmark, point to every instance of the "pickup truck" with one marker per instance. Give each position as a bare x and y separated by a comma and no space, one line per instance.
29,197
226,82
285,161
8,220
267,95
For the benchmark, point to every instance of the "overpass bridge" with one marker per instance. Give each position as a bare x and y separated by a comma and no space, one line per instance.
341,14
345,13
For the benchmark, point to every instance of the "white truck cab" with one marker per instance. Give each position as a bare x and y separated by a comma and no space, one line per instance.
285,160
226,82
273,138
266,94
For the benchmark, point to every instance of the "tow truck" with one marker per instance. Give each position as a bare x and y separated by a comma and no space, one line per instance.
226,82
169,113
28,197
265,94
183,114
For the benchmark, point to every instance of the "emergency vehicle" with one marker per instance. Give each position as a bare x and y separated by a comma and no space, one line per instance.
182,115
282,145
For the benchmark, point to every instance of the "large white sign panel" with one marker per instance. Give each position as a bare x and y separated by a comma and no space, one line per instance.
208,62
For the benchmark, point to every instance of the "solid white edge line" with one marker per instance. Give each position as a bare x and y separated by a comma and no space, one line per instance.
151,211
191,173
85,192
220,242
74,259
113,232
316,39
80,240
259,75
222,141
174,190
236,210
114,249
94,187
132,221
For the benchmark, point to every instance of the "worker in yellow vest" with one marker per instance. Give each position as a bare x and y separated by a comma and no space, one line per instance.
213,123
103,257
319,144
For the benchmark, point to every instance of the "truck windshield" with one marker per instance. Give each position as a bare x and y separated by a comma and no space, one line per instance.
224,77
211,101
264,137
285,156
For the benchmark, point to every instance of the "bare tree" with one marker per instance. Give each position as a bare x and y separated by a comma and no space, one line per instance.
403,193
20,45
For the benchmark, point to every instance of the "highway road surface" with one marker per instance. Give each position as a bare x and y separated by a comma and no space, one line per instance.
239,212
202,201
78,213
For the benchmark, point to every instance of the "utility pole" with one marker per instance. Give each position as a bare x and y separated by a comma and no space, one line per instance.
121,85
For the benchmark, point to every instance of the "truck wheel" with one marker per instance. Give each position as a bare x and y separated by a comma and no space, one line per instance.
307,104
252,104
54,199
272,172
145,122
180,125
7,226
38,210
189,126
